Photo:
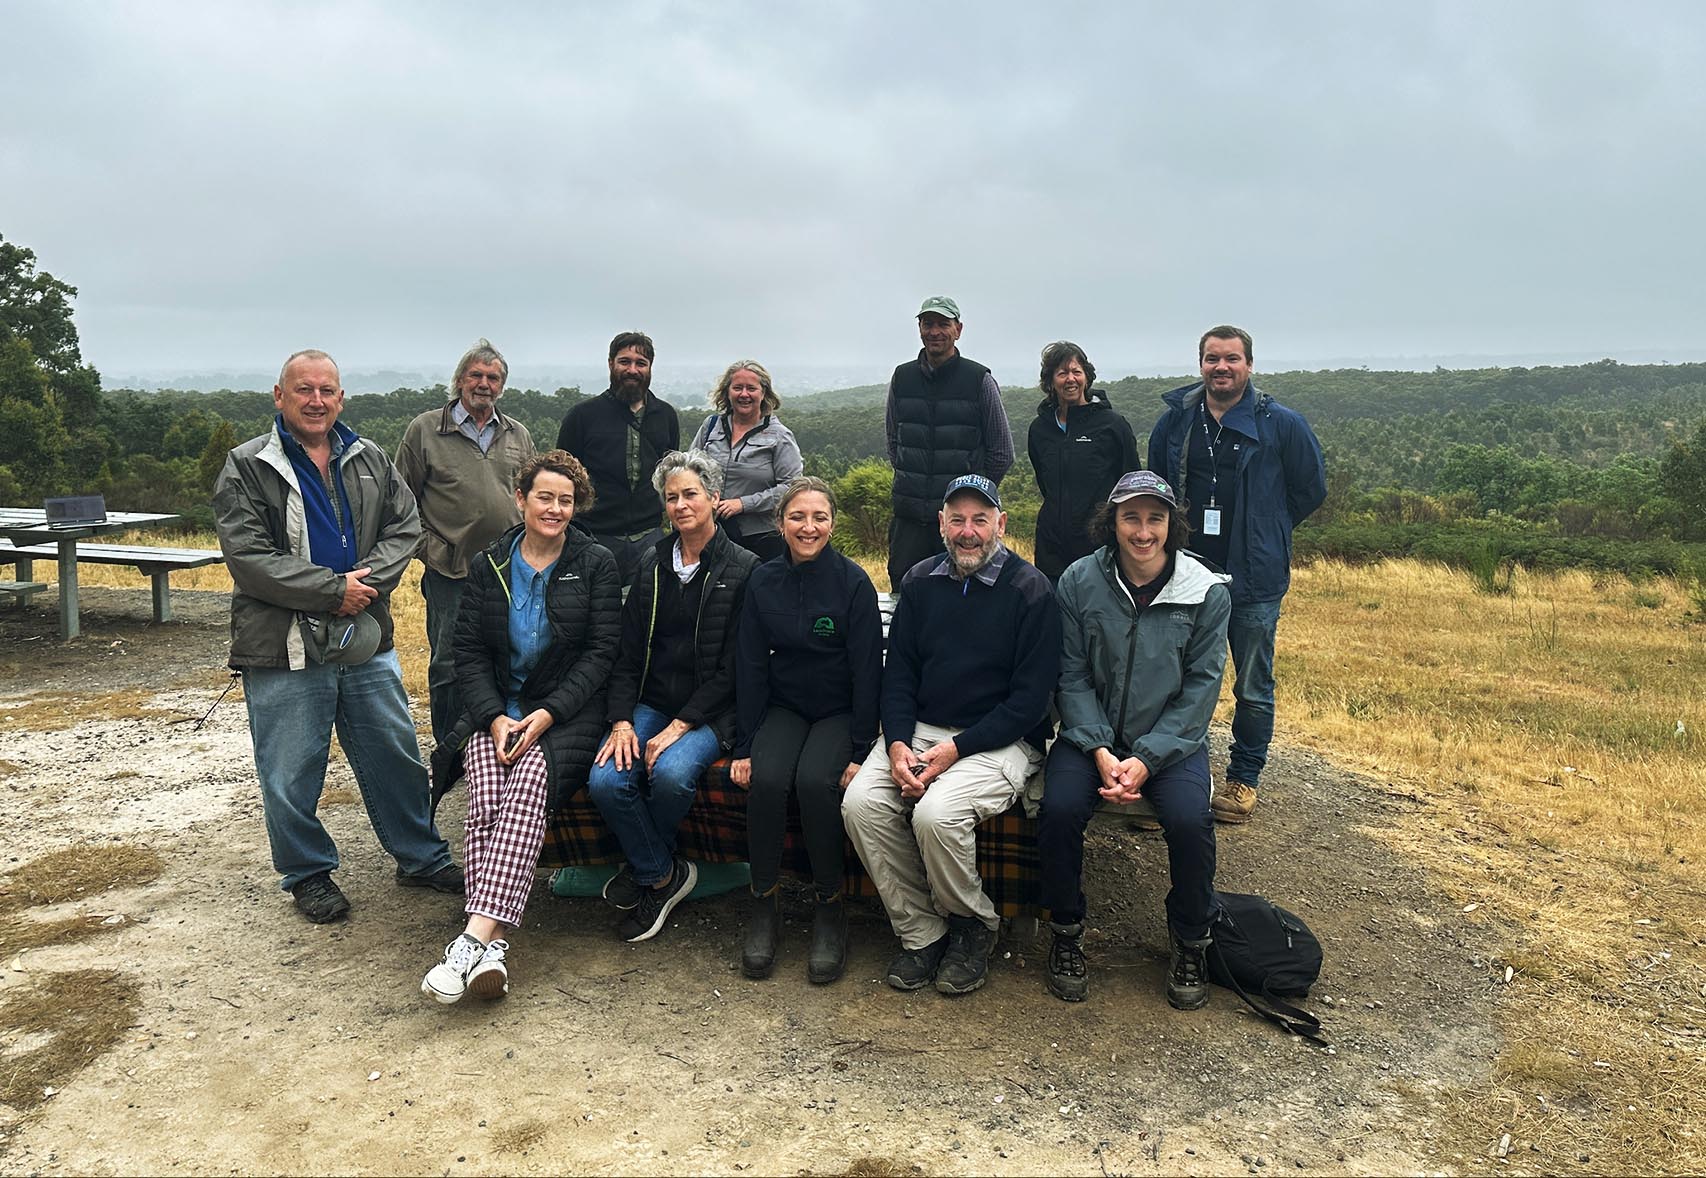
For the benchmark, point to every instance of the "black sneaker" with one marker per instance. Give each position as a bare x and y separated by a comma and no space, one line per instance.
620,890
655,904
1187,980
1068,978
913,969
446,879
319,899
965,966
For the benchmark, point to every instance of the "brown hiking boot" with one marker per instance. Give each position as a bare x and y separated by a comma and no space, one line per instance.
1233,802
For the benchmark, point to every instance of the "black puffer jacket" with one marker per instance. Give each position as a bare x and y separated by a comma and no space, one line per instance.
1075,471
583,604
726,566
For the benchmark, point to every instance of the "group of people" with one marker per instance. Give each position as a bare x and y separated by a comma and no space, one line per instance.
617,613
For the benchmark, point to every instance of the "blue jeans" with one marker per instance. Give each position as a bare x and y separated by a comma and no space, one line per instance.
642,810
1250,633
443,597
291,717
1179,794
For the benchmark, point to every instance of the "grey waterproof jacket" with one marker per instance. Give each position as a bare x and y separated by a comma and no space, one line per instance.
263,532
1141,683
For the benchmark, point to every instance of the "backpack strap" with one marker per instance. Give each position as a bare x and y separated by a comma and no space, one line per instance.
1293,1020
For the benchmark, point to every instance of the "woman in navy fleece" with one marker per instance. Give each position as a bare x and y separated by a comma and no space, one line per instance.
807,673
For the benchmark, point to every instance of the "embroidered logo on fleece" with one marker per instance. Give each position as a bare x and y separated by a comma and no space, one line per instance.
824,627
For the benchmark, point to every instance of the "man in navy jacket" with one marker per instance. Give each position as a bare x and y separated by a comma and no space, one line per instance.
1252,471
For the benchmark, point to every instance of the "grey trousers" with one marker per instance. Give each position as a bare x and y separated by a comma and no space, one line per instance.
923,855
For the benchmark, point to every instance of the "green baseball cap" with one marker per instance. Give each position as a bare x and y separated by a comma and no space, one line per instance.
940,305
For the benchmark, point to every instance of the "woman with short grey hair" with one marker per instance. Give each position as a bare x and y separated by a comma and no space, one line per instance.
672,697
758,454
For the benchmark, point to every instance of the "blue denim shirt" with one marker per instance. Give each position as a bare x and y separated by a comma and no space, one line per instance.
529,627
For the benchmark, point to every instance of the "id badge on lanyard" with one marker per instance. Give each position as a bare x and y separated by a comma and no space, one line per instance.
1211,521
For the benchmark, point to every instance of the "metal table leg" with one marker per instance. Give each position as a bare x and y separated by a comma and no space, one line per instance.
69,626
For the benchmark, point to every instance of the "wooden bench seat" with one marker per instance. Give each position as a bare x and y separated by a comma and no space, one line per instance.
158,564
22,590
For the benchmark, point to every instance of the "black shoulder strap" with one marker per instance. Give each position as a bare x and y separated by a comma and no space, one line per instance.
1294,1020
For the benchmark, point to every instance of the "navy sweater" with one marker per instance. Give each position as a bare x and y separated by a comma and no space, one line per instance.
811,641
963,654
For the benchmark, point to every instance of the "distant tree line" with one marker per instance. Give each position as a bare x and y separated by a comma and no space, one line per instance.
1598,464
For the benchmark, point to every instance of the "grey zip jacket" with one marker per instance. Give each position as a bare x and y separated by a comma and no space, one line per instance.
755,472
263,532
1141,684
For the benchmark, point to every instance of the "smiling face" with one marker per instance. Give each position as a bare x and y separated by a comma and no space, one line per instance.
746,395
547,506
1225,368
938,334
689,506
1140,533
972,528
1069,383
806,525
310,397
630,374
479,388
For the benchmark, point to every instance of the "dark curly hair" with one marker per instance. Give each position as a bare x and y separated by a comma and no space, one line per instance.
1057,354
557,462
1100,526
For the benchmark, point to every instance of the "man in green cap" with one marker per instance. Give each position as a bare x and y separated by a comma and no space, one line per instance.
944,419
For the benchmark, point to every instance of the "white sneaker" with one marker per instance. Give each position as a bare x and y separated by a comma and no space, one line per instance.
447,980
490,978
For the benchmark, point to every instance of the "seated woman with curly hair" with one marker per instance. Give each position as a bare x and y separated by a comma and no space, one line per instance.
535,640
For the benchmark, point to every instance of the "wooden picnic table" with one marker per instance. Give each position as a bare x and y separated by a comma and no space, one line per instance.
24,526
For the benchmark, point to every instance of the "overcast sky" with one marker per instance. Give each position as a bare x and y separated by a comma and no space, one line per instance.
225,182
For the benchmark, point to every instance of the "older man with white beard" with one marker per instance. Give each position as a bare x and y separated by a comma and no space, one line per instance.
974,653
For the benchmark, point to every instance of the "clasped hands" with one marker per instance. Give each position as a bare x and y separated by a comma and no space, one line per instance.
1122,781
914,771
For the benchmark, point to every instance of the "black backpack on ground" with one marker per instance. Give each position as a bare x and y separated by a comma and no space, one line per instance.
1263,954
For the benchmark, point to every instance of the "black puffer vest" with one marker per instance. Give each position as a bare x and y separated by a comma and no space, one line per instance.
939,432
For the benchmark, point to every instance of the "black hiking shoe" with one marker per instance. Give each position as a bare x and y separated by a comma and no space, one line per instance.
319,899
965,966
913,969
655,905
828,955
763,932
446,879
620,890
1068,978
1187,979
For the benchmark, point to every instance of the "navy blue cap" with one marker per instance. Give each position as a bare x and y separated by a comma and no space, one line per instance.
973,482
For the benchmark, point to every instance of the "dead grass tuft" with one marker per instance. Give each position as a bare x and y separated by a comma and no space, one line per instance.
54,711
20,932
881,1168
337,795
64,1022
78,871
520,1137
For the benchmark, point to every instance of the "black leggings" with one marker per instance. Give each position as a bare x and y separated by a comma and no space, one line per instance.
790,752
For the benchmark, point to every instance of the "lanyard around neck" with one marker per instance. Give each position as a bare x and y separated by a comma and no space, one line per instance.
1210,441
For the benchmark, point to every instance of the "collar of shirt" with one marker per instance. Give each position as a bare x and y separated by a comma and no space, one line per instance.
465,422
524,581
987,574
685,572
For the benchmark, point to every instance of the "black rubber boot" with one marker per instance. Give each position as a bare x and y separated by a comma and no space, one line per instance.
829,941
763,931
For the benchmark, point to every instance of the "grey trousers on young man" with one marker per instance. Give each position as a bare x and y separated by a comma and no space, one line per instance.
923,855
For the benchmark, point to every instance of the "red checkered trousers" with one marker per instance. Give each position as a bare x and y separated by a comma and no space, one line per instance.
504,830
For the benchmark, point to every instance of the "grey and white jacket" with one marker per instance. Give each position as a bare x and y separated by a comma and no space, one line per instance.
263,532
767,460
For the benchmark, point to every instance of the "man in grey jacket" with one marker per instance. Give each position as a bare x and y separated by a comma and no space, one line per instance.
459,460
317,528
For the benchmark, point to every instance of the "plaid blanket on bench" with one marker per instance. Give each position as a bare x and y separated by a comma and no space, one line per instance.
715,832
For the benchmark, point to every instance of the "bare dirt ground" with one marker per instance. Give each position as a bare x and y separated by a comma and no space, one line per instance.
254,1041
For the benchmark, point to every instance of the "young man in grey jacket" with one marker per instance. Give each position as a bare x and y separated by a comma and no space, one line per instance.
317,528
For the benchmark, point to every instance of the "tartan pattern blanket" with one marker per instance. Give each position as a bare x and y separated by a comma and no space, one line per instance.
715,832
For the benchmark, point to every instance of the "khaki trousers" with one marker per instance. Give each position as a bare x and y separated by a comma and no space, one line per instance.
923,855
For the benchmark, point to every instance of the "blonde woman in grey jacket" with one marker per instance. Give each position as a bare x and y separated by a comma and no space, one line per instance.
1143,649
758,454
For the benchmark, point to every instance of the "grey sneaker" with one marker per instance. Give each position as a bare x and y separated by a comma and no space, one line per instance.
655,904
490,978
320,899
1187,979
913,969
448,980
965,966
1068,977
620,890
